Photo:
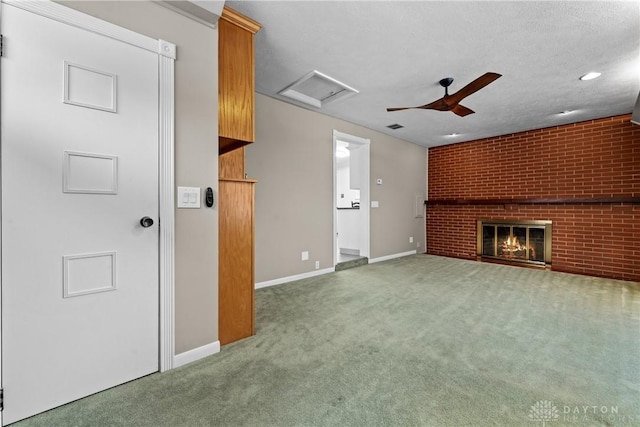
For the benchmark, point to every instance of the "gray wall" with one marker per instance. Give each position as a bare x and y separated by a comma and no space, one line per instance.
196,165
292,159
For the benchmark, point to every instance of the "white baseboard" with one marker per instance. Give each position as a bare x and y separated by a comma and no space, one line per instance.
292,278
196,354
388,257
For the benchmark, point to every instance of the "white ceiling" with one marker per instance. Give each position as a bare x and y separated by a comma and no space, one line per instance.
394,53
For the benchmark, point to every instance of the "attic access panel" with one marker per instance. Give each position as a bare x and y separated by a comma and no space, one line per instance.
317,89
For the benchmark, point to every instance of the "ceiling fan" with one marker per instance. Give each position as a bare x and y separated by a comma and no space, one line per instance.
451,102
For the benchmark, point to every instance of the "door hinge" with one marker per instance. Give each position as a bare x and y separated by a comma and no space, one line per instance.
1,45
1,399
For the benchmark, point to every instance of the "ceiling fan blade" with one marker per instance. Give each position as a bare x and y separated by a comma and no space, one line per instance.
473,87
461,110
438,104
400,108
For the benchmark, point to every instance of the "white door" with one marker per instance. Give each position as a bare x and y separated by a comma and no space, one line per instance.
79,147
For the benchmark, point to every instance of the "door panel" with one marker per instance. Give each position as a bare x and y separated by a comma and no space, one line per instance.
79,115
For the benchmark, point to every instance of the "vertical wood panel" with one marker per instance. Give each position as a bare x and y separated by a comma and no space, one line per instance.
231,164
236,273
236,195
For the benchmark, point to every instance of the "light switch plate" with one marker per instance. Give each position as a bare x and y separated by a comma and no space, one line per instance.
189,197
375,204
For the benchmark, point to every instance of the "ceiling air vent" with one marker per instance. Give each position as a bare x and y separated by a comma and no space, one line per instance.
317,89
395,126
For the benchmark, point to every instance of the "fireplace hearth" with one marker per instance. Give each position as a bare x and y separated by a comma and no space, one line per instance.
517,241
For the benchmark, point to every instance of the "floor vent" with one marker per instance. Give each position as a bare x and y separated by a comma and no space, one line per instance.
317,89
395,126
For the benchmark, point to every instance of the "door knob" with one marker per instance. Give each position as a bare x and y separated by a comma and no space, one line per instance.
146,222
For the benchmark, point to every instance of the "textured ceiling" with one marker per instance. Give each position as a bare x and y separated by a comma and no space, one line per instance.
394,53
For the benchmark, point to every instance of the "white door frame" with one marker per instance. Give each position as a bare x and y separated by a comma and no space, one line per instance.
365,194
166,52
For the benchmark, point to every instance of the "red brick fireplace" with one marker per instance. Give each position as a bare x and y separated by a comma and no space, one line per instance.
583,177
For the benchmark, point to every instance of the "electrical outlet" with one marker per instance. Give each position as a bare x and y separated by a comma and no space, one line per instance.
304,256
317,265
417,244
411,239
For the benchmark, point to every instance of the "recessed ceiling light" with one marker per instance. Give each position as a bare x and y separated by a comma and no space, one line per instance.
565,112
590,76
451,135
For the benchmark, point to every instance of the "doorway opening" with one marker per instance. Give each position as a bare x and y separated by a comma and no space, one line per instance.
351,179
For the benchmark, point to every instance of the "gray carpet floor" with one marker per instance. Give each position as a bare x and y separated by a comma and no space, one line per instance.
415,341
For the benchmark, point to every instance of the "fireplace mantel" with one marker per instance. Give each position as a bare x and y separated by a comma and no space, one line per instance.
536,201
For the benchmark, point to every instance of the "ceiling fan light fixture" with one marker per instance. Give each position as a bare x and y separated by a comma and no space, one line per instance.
590,76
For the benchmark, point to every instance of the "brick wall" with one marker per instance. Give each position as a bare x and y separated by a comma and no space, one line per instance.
593,159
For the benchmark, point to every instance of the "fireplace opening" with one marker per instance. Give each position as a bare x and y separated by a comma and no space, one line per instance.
515,241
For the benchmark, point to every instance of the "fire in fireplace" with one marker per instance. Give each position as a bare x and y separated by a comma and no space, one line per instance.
515,241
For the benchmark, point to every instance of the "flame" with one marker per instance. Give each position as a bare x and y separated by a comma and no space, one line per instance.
512,247
512,241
